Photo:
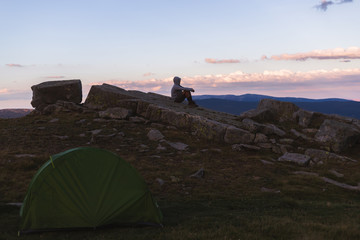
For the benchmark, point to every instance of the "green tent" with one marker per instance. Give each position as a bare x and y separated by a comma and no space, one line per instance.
87,188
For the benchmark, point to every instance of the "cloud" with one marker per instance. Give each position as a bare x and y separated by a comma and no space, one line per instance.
343,83
149,74
14,65
324,4
55,77
337,53
215,61
4,90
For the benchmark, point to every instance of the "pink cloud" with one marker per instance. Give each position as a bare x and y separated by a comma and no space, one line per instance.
343,83
215,61
14,65
337,53
4,90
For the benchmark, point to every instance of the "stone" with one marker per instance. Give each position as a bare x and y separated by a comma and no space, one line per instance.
160,181
106,96
299,135
174,179
337,136
160,148
266,162
336,173
178,145
48,93
260,115
155,135
137,119
286,141
240,147
299,159
273,129
341,185
282,111
261,138
116,113
237,135
199,174
307,118
208,129
318,155
269,190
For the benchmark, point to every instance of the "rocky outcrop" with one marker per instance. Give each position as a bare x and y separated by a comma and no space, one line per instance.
270,110
337,136
48,93
281,127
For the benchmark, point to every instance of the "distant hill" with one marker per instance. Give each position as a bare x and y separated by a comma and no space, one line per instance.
256,98
238,104
14,113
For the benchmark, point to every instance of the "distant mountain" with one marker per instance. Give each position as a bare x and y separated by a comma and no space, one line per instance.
256,98
238,104
14,113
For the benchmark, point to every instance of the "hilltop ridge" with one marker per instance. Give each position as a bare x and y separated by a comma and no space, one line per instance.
277,162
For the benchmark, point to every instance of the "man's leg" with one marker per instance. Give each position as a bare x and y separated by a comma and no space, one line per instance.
188,96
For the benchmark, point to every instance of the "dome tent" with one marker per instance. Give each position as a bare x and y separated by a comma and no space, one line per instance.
87,188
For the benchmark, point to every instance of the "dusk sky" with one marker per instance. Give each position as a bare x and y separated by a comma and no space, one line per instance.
293,48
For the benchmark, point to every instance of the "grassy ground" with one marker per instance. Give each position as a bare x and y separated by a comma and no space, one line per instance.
241,196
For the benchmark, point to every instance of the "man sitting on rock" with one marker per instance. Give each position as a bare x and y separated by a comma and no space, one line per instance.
179,93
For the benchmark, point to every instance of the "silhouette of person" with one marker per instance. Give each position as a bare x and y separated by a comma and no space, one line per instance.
179,93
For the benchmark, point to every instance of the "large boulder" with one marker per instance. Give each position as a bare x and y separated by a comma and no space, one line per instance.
337,136
48,93
283,111
105,96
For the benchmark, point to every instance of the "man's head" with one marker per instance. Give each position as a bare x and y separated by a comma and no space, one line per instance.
177,80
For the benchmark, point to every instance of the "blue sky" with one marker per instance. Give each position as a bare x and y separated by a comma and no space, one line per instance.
307,48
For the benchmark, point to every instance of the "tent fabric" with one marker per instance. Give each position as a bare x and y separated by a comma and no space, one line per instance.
87,187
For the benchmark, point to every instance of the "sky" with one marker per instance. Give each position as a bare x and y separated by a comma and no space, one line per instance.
283,48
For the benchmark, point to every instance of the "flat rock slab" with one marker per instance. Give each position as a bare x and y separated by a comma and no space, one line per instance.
299,159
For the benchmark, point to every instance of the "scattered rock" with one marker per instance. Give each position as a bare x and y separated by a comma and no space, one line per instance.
116,113
160,181
261,138
137,119
61,137
155,135
174,179
25,155
161,148
237,135
240,147
306,173
178,145
299,135
337,174
321,155
269,190
342,185
96,131
199,174
266,162
300,159
54,120
286,141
